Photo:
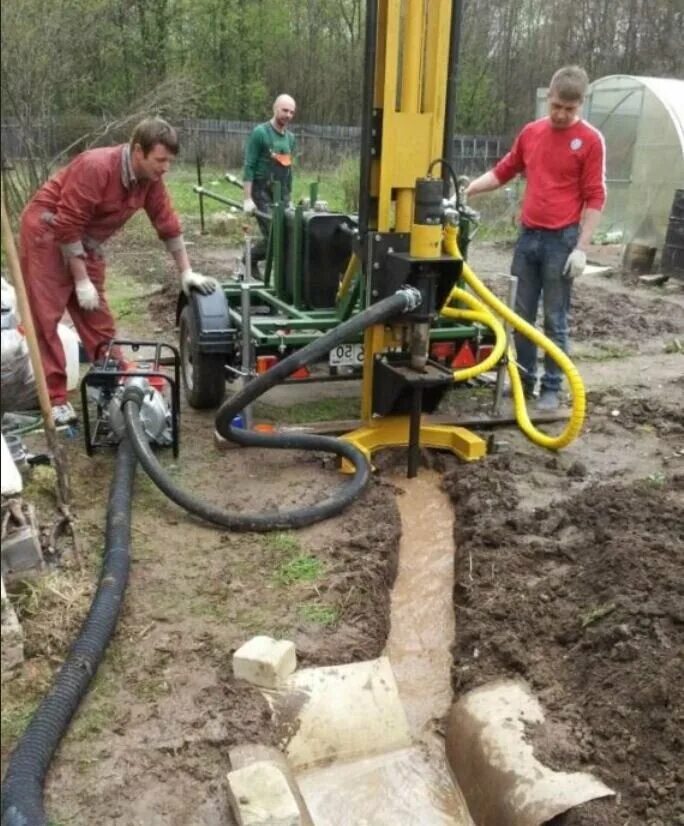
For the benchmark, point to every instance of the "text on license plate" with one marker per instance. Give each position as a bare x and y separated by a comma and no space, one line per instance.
345,355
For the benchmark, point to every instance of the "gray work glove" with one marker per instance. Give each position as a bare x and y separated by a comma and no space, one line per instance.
574,266
249,207
195,281
86,294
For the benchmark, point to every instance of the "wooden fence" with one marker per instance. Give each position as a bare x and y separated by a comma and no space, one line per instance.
222,142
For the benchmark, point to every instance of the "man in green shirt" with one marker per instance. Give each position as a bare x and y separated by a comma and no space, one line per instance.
268,158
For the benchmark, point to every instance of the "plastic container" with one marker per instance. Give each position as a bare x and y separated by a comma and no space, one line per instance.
70,343
9,296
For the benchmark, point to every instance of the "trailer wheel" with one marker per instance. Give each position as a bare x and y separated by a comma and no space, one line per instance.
203,374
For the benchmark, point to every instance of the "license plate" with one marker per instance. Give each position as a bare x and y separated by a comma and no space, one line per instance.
346,355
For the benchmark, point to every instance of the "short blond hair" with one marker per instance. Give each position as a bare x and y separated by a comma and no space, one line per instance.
570,83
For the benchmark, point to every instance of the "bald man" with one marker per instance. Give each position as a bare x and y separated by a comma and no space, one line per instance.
268,158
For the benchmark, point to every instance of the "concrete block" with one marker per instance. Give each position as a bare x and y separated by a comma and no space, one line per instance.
21,552
264,661
12,648
259,795
246,754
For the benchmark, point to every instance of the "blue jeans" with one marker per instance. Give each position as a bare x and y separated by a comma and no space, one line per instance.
538,261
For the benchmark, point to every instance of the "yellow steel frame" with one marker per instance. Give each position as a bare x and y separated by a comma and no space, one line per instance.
412,58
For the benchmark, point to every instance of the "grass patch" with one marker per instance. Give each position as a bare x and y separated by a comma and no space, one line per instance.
322,410
15,717
318,613
125,297
301,568
282,543
605,352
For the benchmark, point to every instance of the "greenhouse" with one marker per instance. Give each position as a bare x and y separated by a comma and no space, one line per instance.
642,120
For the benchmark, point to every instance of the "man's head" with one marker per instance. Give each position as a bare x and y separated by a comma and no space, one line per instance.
154,144
283,111
566,95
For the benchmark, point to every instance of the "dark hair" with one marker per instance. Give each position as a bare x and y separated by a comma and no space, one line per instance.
152,131
570,83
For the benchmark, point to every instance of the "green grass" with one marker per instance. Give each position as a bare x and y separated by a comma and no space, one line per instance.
604,352
336,186
301,568
15,717
282,543
323,410
318,613
125,297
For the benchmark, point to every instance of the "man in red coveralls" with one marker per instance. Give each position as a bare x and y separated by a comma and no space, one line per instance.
64,226
563,160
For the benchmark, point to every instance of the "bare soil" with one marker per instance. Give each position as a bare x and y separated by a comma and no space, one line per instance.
569,574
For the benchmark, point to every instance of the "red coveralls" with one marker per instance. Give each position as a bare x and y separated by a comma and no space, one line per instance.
72,214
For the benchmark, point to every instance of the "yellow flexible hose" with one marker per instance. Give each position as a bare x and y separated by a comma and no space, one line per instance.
574,425
480,315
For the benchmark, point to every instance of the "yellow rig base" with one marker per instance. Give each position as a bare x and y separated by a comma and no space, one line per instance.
393,431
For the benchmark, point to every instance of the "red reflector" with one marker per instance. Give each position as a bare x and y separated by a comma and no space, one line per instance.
264,363
442,350
302,373
465,357
484,351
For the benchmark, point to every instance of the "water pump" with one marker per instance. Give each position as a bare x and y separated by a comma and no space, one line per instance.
104,385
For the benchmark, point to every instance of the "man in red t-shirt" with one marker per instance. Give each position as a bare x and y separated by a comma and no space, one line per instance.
563,160
64,226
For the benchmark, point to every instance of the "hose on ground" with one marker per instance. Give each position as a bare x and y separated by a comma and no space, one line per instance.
22,791
402,301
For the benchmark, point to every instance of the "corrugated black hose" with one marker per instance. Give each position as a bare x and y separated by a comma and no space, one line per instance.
22,791
402,301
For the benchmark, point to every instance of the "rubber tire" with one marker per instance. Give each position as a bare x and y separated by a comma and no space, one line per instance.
206,387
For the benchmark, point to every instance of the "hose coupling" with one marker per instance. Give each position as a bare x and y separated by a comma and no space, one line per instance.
135,391
413,298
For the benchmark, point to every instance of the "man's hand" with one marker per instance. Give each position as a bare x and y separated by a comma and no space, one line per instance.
86,294
194,281
574,266
249,207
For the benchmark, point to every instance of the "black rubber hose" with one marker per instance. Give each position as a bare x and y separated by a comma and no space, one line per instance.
22,791
392,306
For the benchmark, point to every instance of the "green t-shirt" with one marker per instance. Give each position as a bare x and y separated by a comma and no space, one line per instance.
264,140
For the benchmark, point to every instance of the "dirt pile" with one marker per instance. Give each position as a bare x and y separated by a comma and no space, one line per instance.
584,599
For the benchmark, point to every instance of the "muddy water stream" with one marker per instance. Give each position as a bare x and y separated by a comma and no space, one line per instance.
411,785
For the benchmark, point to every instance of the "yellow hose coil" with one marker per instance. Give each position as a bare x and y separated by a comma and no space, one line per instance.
491,302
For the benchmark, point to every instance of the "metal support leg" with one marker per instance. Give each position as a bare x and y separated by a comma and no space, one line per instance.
246,313
248,259
201,196
414,432
501,369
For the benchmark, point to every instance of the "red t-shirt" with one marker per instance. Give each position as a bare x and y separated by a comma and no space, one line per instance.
564,168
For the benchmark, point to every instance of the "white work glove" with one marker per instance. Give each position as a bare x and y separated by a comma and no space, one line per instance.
249,207
86,295
194,281
574,266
